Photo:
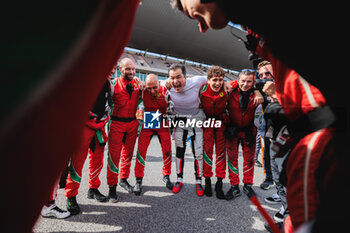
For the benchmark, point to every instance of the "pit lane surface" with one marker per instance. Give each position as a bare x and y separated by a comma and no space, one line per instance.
158,209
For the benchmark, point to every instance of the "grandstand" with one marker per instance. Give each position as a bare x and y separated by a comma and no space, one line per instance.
146,63
161,36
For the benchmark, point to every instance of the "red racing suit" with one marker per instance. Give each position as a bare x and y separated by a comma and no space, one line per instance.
93,132
53,194
245,133
123,129
297,98
152,104
93,143
214,106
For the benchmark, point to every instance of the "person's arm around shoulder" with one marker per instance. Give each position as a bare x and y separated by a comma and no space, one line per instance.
139,83
199,80
230,85
165,83
258,99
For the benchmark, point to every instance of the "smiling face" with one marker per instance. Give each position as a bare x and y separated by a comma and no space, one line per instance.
216,83
127,69
152,84
177,79
208,15
216,78
246,82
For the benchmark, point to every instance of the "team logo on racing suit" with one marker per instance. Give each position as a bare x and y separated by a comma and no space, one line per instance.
151,120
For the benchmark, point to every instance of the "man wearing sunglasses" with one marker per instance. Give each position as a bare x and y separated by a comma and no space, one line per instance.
272,165
265,72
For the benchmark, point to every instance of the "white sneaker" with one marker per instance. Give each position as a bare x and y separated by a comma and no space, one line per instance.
279,216
54,211
274,199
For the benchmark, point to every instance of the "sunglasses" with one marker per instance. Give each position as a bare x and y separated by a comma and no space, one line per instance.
249,70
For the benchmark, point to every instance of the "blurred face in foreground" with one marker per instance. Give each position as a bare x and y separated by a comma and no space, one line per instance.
216,83
152,84
177,79
208,15
246,82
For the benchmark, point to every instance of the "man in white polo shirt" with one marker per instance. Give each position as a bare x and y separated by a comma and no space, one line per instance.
184,94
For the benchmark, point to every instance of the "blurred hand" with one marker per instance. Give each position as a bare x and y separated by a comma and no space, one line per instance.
228,87
269,88
168,84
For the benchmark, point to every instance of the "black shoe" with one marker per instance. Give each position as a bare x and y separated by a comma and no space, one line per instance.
279,216
267,184
138,187
72,206
274,199
208,191
167,182
247,189
125,184
280,225
218,190
233,192
95,194
112,194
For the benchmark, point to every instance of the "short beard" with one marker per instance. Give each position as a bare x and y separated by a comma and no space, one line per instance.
127,77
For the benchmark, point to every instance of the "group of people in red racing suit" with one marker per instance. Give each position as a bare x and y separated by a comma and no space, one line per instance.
311,126
232,103
234,109
311,123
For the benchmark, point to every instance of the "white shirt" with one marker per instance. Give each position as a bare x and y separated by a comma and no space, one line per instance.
187,101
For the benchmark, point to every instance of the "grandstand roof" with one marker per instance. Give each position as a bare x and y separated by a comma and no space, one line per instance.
180,37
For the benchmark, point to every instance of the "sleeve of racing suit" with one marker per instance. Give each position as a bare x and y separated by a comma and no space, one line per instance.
234,83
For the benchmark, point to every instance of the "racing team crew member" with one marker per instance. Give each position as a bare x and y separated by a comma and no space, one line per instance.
213,100
155,98
312,122
241,112
184,94
126,94
311,130
93,141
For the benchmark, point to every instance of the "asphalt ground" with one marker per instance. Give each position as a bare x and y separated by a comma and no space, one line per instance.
158,209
